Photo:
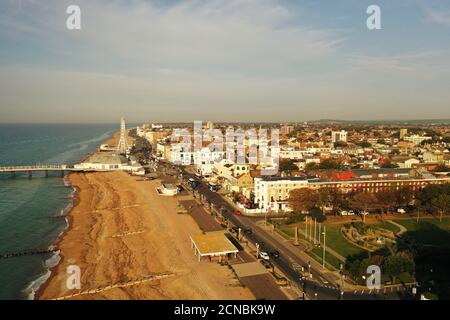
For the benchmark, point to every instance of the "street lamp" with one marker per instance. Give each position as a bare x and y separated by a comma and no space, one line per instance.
324,245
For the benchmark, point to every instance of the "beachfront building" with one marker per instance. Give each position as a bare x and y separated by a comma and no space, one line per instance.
109,161
213,246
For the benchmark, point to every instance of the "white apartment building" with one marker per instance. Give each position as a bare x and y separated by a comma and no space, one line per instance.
339,136
272,192
416,139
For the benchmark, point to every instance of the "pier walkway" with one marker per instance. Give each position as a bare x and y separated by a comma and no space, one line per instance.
62,169
37,168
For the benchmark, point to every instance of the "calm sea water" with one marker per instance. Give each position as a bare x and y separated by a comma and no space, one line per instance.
32,211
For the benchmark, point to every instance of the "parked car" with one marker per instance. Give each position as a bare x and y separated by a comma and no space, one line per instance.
264,255
237,212
401,210
248,231
351,212
344,213
235,229
267,264
275,254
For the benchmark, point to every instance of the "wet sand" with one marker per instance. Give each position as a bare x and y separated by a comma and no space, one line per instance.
122,230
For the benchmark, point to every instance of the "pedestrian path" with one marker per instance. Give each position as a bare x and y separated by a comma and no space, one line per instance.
402,228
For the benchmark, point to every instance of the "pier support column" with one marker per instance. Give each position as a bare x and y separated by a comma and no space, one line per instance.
30,174
62,173
46,173
13,174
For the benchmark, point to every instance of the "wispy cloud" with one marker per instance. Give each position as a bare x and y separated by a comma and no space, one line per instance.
197,34
439,17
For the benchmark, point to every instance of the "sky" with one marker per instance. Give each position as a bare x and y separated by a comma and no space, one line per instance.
223,60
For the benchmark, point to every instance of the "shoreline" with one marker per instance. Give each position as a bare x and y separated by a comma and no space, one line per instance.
69,216
75,202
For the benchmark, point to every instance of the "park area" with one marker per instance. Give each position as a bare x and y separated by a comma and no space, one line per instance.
374,238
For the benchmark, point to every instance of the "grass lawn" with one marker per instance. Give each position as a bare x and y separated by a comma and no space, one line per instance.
386,225
330,260
429,231
335,239
337,242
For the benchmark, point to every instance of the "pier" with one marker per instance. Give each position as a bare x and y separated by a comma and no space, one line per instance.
36,168
63,168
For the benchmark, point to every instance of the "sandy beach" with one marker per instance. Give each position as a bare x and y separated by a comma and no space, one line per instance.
121,230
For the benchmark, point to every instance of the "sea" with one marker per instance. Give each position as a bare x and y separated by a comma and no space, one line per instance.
33,211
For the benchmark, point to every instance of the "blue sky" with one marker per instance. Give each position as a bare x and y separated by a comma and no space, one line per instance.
229,60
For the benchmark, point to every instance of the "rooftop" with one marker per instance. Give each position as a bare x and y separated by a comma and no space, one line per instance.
213,243
106,158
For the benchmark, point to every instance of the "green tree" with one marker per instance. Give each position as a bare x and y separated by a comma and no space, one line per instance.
396,264
365,144
288,166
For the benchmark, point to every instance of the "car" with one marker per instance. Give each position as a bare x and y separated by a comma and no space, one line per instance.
401,210
264,255
235,229
248,231
351,212
237,212
274,254
267,264
344,213
180,189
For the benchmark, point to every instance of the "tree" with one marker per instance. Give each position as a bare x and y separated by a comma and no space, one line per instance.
311,166
363,201
365,144
441,204
340,144
385,200
430,192
329,164
287,166
404,196
388,164
442,168
303,199
317,214
398,263
330,197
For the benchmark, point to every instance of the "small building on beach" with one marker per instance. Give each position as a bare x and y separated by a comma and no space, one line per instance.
213,246
167,189
109,161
